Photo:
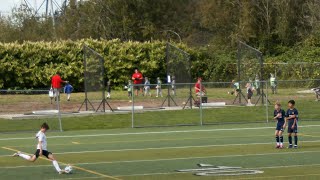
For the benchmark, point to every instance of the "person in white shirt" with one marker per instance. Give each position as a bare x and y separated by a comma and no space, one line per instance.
41,149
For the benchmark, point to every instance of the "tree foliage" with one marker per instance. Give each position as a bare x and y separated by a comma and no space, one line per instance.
284,30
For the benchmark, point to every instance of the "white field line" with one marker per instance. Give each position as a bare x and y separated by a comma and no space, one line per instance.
157,140
150,132
168,173
172,147
200,157
78,178
174,159
163,148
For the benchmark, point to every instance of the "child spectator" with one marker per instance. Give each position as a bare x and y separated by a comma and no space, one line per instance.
147,87
109,89
249,92
158,87
68,89
129,88
236,88
199,88
173,85
273,84
51,94
257,85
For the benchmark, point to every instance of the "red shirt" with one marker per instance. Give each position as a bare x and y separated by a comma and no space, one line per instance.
56,81
197,85
138,78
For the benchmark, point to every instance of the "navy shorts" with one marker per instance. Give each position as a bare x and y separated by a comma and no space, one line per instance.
294,130
279,126
44,152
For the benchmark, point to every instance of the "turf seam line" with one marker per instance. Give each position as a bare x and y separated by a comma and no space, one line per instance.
150,132
76,167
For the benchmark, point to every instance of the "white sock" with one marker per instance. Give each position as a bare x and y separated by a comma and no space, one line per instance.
56,165
24,156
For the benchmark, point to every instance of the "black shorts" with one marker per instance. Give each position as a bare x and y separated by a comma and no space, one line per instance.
250,93
44,152
279,126
294,130
137,87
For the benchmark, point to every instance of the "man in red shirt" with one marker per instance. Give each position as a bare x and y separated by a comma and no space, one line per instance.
199,88
137,78
56,85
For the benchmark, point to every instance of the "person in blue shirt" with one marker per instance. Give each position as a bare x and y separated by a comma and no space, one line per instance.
279,115
68,89
292,117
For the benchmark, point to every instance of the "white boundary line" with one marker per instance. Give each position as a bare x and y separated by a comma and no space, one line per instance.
173,147
200,157
162,148
150,132
168,173
185,158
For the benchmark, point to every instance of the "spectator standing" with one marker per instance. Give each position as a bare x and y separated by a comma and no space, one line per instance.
147,91
158,87
173,85
68,90
249,92
199,88
129,88
257,85
109,89
56,85
137,78
273,84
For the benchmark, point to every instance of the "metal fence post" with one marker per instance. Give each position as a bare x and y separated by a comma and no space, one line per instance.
200,106
59,113
132,99
267,107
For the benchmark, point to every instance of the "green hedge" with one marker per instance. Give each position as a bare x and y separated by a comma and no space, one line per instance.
32,64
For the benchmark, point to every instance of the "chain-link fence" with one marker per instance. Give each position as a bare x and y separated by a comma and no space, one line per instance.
164,105
218,104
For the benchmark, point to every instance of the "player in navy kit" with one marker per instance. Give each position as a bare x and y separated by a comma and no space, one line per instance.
279,115
292,116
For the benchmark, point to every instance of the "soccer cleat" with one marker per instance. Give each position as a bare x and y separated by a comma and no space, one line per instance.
295,147
290,146
281,146
62,172
277,146
16,154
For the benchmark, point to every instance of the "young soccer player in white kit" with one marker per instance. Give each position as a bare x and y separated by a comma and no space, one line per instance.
41,149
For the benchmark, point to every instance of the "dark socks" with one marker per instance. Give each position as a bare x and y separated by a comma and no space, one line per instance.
296,140
277,139
290,140
281,139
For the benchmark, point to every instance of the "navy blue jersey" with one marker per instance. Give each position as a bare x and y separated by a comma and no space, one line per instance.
293,111
281,118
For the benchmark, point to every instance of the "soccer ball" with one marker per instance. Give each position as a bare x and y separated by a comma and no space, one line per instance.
68,169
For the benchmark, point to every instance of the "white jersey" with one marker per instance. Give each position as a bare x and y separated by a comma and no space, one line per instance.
42,137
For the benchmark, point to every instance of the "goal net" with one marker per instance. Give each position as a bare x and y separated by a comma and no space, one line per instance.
94,80
250,69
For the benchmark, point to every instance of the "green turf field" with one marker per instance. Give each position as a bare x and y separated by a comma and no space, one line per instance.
156,153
